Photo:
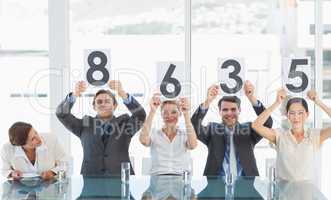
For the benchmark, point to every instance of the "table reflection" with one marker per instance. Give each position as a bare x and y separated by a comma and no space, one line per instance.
243,188
33,189
96,187
168,187
301,190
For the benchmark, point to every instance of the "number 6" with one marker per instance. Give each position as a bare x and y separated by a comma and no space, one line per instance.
170,80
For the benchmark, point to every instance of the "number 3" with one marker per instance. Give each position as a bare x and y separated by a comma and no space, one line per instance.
233,75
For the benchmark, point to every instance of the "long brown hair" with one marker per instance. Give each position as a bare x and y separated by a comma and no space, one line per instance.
18,133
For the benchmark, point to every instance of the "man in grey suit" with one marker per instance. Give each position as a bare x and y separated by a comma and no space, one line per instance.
105,138
230,143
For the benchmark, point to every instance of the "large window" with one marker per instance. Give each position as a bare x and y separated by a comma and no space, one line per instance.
24,81
263,34
326,76
138,34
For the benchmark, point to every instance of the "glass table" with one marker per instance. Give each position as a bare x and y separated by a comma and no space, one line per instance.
157,187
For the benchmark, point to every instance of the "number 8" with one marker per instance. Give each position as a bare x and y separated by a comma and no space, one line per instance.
97,67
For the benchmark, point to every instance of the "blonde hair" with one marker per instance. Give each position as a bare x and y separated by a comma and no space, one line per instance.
173,102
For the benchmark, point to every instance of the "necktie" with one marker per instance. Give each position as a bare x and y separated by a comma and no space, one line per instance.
106,133
105,138
233,160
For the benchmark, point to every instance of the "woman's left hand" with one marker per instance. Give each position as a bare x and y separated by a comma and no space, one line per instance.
184,105
312,95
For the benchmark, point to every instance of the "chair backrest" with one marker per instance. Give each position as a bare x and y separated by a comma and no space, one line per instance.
132,162
269,162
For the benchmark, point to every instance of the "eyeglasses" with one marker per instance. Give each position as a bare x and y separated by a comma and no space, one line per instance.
301,112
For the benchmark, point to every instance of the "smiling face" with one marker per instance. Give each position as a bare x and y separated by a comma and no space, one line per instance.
229,112
104,105
170,113
297,115
33,140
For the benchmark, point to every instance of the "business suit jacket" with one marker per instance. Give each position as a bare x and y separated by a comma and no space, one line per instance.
99,157
245,139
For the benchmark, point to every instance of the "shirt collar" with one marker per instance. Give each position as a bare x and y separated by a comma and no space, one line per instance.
231,130
19,151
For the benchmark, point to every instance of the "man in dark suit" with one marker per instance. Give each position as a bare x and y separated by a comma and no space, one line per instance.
230,143
105,138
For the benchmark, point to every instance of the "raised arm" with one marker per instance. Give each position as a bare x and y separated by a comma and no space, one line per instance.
201,131
258,124
145,137
136,120
63,111
258,108
325,132
257,105
184,106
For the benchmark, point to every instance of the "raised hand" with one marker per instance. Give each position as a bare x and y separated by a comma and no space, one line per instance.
312,95
249,89
212,93
250,92
155,102
281,96
117,86
80,88
184,105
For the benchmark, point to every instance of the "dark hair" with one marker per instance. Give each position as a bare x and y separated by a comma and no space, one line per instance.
302,101
104,92
18,133
232,99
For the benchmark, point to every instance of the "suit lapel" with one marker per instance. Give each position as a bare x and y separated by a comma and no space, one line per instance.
236,138
97,139
219,141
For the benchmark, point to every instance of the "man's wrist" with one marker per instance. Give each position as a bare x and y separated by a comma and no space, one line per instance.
253,101
123,94
206,104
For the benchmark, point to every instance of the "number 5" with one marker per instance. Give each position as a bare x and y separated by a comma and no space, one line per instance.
295,73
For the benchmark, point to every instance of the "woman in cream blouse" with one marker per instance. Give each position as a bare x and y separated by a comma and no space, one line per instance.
297,148
31,153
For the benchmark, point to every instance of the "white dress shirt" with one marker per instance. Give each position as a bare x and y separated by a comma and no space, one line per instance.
169,157
49,156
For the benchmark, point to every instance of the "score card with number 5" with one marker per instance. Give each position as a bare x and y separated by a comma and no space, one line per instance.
296,76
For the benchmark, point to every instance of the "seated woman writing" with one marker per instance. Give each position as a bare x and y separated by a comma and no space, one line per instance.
31,153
